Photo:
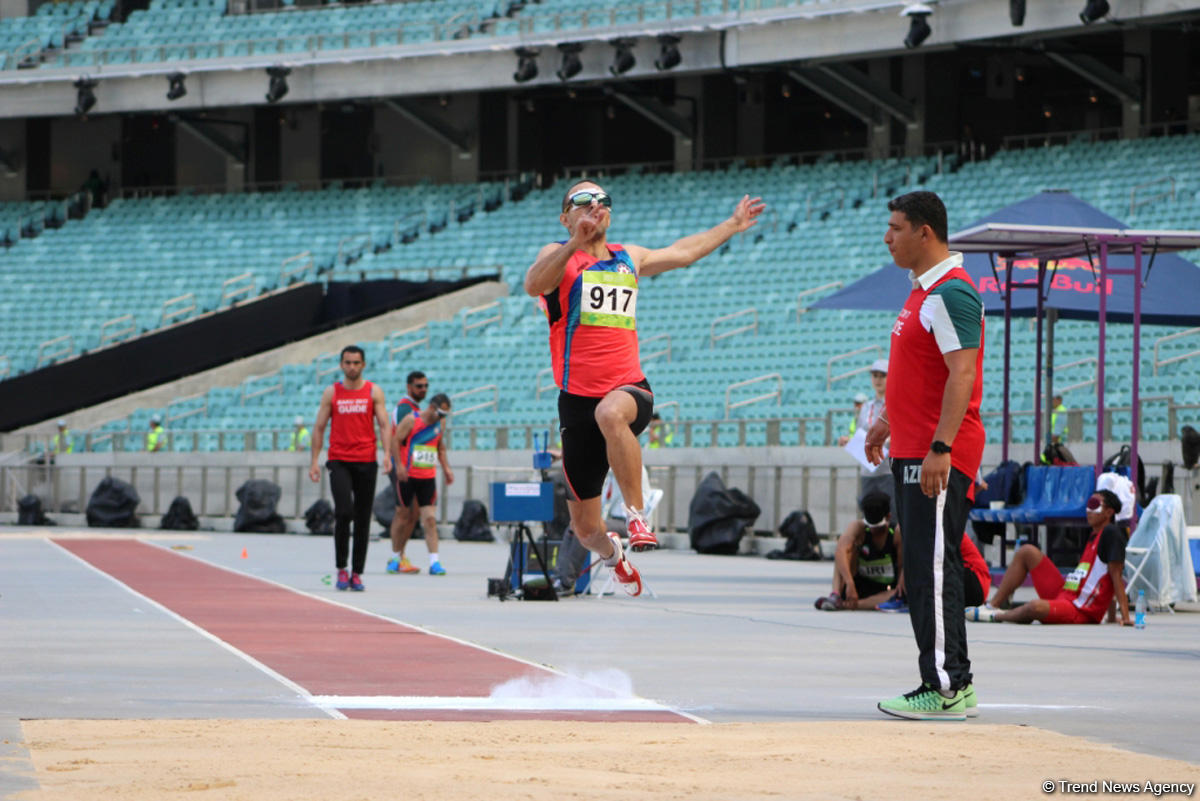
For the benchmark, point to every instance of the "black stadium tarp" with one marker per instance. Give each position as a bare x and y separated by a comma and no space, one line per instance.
205,342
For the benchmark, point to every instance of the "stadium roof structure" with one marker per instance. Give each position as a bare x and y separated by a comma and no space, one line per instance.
1113,254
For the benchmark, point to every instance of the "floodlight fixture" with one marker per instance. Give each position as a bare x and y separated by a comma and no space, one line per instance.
571,64
918,28
175,87
527,68
668,54
1016,12
623,59
277,86
1093,10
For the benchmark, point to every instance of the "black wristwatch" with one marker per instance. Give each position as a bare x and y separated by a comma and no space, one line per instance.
939,447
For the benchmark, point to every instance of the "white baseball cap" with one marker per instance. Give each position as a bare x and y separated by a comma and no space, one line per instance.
62,423
299,419
860,398
879,366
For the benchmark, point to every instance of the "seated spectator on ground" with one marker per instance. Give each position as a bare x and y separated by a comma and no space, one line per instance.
1084,595
867,565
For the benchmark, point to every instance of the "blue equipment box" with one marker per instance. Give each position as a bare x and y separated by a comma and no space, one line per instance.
521,501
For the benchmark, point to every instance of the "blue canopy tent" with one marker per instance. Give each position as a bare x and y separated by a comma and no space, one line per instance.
1065,250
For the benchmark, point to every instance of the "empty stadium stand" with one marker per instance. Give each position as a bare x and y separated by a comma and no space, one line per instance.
729,341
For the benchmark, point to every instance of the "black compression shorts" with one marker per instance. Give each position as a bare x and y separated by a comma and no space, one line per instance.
585,453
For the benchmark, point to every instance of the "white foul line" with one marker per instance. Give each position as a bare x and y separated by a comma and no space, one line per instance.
487,704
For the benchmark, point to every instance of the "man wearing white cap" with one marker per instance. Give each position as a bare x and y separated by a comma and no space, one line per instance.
62,440
301,437
881,477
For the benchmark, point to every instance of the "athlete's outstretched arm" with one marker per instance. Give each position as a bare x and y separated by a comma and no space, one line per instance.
318,433
692,248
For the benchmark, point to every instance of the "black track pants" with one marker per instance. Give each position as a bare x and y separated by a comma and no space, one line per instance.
353,488
932,530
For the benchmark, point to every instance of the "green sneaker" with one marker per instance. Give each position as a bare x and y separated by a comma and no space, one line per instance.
926,703
968,695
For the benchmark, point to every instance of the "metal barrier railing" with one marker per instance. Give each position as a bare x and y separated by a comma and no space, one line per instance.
117,329
828,205
177,308
352,246
1091,382
654,354
300,265
1135,204
1173,359
52,350
173,416
713,336
478,310
258,385
494,402
830,377
800,296
777,394
332,362
539,387
240,286
393,349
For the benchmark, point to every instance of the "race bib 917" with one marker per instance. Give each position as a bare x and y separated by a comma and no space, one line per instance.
424,456
608,299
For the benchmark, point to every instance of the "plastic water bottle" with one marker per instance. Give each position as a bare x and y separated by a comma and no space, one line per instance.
1139,611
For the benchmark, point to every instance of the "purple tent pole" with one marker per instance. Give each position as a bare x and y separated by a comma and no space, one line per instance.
1100,367
1008,287
1037,367
1135,417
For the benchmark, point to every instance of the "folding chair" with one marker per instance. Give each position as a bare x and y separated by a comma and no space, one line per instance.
1142,557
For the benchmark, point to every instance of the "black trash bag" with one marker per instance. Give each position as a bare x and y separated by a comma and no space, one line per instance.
557,528
258,498
1058,455
384,509
29,511
113,505
573,560
802,540
319,518
179,516
1122,458
472,525
1189,439
718,517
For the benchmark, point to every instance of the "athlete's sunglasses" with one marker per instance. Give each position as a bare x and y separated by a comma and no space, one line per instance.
1094,504
586,198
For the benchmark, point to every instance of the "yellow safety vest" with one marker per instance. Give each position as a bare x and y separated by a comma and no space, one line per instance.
152,438
65,438
299,439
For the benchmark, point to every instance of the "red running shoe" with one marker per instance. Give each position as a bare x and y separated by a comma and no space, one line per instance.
356,584
641,538
343,580
625,572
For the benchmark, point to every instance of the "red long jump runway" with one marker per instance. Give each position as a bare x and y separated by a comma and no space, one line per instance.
362,665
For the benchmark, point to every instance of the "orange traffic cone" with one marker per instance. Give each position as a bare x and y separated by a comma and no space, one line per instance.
244,555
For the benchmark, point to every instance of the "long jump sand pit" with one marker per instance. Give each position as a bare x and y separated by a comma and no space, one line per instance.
160,760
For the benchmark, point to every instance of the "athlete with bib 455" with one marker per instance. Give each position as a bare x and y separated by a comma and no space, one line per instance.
590,288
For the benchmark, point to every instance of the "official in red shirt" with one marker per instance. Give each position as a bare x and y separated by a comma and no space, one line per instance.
354,406
935,383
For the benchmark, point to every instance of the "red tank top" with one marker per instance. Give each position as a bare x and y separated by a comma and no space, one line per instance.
593,324
421,448
917,376
1090,582
352,424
